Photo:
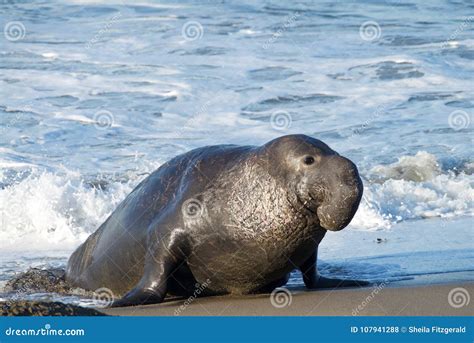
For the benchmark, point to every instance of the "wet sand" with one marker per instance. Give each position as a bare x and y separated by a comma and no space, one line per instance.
431,300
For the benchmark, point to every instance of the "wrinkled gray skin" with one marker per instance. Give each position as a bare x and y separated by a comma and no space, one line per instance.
226,219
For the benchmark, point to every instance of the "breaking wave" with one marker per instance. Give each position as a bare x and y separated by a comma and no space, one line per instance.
58,210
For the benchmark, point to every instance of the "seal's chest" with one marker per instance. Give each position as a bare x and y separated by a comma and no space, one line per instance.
232,265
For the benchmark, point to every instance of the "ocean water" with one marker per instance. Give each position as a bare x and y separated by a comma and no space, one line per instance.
95,95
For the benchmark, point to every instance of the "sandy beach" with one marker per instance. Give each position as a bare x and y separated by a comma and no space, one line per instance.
430,300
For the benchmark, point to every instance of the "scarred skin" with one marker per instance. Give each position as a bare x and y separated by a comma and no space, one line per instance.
227,219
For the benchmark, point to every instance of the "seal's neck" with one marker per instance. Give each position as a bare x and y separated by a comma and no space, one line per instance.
263,207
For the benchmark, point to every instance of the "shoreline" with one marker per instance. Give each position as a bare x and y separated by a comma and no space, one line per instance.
427,258
390,300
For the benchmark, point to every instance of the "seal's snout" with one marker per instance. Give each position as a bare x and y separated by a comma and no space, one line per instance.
344,192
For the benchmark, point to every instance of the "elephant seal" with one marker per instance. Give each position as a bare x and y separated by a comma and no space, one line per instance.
225,219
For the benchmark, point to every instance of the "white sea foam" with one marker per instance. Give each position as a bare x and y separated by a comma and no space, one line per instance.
53,211
420,167
414,188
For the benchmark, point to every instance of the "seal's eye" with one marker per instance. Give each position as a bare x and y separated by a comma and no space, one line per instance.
308,160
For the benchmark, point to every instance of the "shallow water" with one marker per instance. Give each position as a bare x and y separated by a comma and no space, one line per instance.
94,96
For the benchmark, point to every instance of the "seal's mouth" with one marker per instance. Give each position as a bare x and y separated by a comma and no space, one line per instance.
311,205
337,213
340,195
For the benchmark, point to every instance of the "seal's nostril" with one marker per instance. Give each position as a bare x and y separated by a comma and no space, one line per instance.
349,174
351,177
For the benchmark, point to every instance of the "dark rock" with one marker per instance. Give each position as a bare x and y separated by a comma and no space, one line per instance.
40,280
43,308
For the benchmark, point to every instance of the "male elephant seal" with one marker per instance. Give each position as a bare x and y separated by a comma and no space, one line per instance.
236,219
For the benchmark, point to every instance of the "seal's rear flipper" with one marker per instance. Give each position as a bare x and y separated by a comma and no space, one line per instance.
153,285
138,297
162,258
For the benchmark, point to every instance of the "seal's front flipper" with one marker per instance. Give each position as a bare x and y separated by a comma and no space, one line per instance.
161,260
308,271
312,280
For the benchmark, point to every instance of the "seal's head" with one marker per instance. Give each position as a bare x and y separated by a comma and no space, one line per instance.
325,183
